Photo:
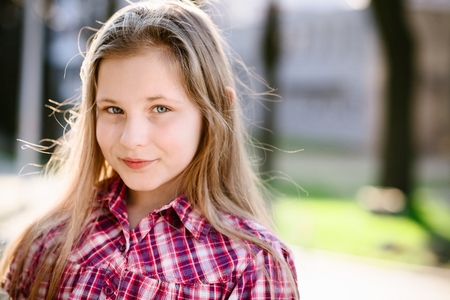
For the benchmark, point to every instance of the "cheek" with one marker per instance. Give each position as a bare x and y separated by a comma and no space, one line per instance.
102,136
183,138
195,138
191,131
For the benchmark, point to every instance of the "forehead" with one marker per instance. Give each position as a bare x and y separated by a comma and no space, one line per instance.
148,74
164,54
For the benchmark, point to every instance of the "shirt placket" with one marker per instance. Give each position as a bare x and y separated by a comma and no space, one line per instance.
130,249
112,284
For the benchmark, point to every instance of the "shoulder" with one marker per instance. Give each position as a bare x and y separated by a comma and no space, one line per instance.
40,243
263,248
270,270
260,232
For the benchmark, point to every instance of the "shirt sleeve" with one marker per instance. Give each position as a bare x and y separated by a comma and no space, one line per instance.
262,279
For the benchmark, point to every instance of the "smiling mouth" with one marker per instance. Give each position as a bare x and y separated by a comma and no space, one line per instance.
136,163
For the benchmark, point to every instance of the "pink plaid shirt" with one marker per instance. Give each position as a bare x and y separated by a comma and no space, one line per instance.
173,253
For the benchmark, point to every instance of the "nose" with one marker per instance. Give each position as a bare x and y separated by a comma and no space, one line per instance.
135,132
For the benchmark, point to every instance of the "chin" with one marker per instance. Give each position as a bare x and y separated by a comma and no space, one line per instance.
141,186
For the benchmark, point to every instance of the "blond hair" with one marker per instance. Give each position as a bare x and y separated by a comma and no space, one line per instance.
220,176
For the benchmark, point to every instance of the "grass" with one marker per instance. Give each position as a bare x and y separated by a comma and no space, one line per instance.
433,211
341,225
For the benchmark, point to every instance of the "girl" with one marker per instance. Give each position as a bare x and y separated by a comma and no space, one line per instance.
162,202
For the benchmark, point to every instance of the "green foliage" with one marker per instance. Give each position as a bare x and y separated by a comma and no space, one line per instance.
343,226
434,211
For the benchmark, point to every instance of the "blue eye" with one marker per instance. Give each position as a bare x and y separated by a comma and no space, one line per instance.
161,109
114,110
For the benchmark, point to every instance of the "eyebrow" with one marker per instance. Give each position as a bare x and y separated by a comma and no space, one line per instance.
161,97
105,100
149,99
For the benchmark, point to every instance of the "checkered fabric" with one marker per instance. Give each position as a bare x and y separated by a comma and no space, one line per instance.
173,253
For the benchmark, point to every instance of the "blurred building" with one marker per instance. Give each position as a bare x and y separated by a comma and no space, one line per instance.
431,23
328,72
332,73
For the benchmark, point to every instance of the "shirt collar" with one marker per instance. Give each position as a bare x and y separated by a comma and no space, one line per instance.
195,223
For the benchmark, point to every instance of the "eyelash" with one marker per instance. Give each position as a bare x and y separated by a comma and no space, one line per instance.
155,109
111,109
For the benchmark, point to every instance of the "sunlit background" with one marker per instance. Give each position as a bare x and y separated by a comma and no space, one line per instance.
354,236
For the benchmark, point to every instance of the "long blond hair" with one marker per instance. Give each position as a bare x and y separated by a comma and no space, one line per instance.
220,177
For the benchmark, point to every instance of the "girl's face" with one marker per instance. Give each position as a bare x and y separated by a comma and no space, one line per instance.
147,128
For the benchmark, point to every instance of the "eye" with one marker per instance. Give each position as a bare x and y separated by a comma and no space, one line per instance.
114,110
160,109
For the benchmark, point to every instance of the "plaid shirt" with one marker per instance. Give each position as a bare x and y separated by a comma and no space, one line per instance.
173,253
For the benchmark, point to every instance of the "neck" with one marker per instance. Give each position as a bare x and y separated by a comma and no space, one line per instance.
142,203
147,201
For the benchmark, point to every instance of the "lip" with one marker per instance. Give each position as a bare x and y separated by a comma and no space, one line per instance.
135,163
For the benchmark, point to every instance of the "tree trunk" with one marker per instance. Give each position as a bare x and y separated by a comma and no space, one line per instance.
270,52
398,146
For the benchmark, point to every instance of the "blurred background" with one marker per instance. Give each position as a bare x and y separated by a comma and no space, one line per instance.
365,96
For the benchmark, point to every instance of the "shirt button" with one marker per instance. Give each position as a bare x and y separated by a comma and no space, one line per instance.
122,248
108,291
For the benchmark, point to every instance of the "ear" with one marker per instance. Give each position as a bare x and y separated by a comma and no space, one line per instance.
231,93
